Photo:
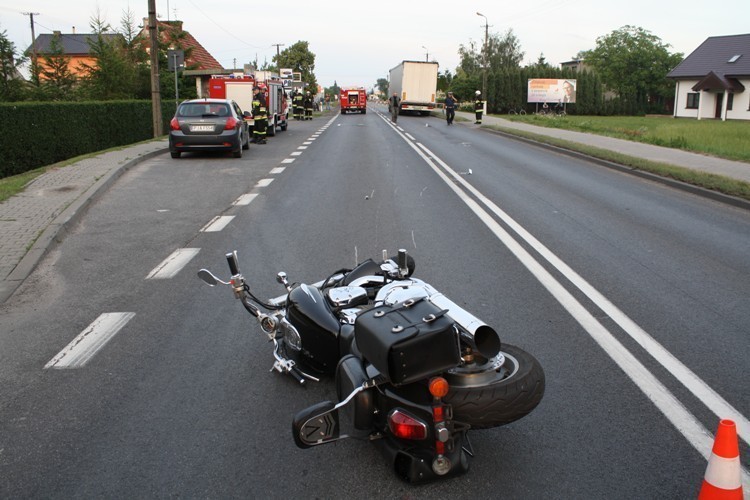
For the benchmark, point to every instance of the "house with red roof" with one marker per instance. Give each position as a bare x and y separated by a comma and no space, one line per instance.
711,81
173,36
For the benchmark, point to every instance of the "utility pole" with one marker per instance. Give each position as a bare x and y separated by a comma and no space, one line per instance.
155,91
486,55
427,54
34,66
277,45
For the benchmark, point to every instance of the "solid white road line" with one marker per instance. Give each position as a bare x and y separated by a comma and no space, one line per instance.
172,265
684,421
89,341
687,377
217,224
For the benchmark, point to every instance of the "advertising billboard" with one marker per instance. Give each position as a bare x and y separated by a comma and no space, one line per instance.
551,90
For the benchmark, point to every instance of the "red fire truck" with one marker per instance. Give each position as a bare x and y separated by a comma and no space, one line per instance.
353,99
239,88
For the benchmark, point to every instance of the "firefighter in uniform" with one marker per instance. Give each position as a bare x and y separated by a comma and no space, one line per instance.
308,102
261,117
478,107
297,104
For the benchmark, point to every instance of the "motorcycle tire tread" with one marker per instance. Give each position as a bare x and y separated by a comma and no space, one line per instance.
501,402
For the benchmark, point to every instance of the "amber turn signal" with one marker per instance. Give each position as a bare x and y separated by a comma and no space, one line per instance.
439,387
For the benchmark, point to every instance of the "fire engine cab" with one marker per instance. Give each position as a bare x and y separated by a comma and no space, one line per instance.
239,88
353,99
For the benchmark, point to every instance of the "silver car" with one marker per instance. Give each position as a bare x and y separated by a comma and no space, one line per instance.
209,125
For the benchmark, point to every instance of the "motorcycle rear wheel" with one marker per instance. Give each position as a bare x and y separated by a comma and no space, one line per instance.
486,396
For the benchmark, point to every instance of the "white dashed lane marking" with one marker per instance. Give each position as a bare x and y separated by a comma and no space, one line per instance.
90,341
172,265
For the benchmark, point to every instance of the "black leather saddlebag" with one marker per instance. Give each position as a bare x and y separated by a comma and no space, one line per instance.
408,341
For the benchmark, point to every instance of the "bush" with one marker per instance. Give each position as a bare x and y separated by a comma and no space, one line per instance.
36,134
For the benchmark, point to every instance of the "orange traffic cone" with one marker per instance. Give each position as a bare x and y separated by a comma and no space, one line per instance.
723,479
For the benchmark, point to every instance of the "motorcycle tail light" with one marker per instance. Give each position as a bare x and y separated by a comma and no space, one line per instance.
405,426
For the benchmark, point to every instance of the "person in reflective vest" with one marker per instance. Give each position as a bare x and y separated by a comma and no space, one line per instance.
308,106
478,107
297,104
260,115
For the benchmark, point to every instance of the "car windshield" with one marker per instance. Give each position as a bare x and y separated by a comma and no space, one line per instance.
203,109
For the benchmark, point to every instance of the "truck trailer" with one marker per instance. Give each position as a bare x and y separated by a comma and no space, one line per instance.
415,82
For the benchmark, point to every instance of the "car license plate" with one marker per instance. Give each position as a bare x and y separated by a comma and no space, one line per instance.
201,128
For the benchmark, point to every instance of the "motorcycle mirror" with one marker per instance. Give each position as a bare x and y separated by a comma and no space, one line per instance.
208,277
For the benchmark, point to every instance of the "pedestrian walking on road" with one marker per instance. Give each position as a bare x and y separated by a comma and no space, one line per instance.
478,107
394,103
450,108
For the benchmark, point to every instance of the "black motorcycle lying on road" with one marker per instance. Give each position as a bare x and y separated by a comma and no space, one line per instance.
414,371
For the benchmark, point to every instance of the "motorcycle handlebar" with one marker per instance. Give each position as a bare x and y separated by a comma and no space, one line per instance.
294,372
234,266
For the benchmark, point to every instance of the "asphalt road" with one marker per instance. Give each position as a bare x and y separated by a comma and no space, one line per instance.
634,297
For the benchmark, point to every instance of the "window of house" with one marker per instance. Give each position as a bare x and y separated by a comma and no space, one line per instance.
693,98
730,101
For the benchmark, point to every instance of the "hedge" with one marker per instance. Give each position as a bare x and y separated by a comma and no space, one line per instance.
36,134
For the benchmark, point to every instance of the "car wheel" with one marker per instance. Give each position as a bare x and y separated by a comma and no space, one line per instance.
246,143
175,154
272,127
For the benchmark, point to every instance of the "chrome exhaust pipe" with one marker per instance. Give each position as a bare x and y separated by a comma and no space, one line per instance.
486,338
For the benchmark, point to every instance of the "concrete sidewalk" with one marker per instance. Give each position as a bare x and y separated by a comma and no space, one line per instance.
32,221
693,161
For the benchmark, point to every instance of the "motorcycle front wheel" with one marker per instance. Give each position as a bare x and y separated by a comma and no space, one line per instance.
490,394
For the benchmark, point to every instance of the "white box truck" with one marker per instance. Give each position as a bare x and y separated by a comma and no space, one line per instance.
415,82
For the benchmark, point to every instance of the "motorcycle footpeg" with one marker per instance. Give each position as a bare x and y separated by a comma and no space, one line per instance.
318,424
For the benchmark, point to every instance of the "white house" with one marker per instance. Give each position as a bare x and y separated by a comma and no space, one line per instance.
711,81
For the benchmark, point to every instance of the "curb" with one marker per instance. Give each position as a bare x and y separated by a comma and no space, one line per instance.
57,229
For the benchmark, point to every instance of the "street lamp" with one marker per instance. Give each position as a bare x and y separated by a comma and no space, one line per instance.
484,72
427,54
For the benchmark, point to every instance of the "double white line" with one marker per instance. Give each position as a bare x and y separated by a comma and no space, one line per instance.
696,434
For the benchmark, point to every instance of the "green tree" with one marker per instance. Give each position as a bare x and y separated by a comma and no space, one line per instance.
58,80
504,51
444,81
110,76
382,86
300,59
333,89
634,63
11,83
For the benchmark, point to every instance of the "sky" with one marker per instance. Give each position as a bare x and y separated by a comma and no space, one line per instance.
356,43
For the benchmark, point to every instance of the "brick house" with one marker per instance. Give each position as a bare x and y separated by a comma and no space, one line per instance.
711,81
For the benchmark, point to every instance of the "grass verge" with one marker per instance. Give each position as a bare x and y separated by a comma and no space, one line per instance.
725,139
